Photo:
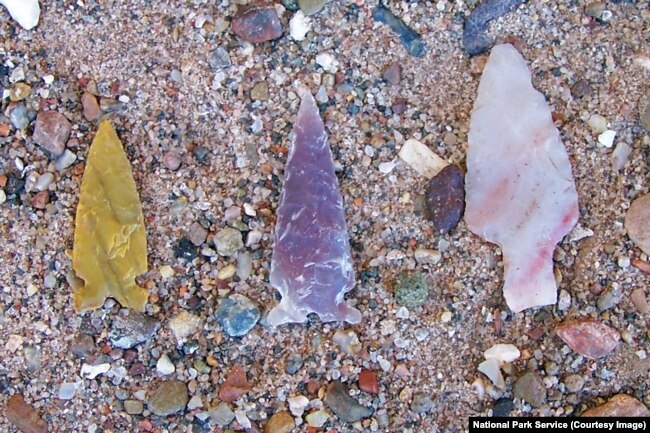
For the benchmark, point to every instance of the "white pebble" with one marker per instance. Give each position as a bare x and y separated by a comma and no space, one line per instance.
348,341
242,419
424,256
164,365
402,313
327,62
44,181
490,368
624,262
597,123
297,405
25,12
166,271
386,167
32,290
564,300
92,371
446,317
48,79
124,98
607,138
421,159
195,402
502,353
3,196
299,25
620,155
64,161
317,419
67,390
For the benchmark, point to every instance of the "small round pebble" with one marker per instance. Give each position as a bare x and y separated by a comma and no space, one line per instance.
168,397
411,289
172,160
228,242
237,314
280,422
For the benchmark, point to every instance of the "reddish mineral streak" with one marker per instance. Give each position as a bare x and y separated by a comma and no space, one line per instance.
311,265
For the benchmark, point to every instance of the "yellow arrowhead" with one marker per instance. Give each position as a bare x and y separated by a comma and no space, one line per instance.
110,245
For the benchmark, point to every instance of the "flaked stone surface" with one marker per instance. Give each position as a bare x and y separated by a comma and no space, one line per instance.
311,266
257,22
520,192
589,338
446,198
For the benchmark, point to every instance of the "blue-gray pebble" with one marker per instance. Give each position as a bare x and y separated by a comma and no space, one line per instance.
237,314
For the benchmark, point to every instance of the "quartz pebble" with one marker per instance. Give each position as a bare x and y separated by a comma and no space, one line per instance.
636,222
280,422
607,138
168,397
597,123
183,325
446,198
64,161
503,353
422,159
51,131
228,242
344,406
588,338
620,405
425,256
299,25
235,386
67,390
23,415
530,388
92,371
257,22
348,341
297,405
317,419
421,403
237,314
491,367
195,403
165,366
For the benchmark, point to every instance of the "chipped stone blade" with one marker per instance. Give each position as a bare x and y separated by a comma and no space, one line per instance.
520,191
311,265
110,246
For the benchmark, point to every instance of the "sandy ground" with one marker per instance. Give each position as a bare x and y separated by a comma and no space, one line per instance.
131,48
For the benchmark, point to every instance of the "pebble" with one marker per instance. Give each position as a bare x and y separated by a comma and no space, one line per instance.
636,223
235,386
19,91
564,300
421,159
166,271
411,289
581,88
133,407
164,365
244,266
640,301
327,61
491,367
299,25
620,405
530,388
475,31
238,315
82,345
129,330
368,381
597,123
19,117
344,406
44,181
644,113
3,196
228,242
574,382
40,200
219,59
425,256
421,403
589,338
502,407
610,298
280,422
393,73
595,9
503,353
260,91
23,415
92,371
347,340
183,325
222,415
185,250
294,363
257,22
168,397
607,138
386,167
64,161
197,234
67,390
90,106
311,7
317,419
297,405
51,131
227,272
446,198
410,39
195,403
620,155
172,160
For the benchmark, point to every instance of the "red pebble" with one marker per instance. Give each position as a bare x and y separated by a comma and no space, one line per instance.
368,382
588,338
235,386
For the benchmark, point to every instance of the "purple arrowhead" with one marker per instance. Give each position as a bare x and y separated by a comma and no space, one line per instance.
311,265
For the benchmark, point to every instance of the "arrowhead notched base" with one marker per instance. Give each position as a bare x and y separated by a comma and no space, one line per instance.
311,265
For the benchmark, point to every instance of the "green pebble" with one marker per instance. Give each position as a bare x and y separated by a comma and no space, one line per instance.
411,289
